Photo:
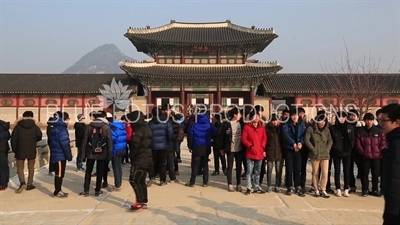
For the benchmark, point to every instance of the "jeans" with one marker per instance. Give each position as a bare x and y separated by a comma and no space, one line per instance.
170,164
293,169
218,157
278,172
304,160
200,162
4,170
137,179
59,172
117,169
253,166
337,160
160,165
320,166
20,170
178,149
374,166
79,164
99,174
238,158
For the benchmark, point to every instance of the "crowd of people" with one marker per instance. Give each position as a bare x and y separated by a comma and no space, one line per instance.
258,142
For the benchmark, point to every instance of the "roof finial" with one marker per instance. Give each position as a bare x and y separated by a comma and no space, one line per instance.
253,27
148,27
228,20
173,21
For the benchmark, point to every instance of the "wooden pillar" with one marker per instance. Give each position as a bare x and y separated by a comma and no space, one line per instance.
182,101
83,104
149,100
252,95
16,108
40,106
218,102
62,103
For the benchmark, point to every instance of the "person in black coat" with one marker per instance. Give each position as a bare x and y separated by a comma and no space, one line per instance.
141,158
390,122
24,140
79,135
4,148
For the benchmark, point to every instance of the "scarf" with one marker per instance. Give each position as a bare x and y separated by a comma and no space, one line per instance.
345,135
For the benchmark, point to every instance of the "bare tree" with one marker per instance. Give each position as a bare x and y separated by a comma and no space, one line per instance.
359,83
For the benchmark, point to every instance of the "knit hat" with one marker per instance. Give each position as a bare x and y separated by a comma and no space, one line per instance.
80,117
368,116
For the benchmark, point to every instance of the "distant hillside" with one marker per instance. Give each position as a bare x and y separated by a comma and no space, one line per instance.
103,59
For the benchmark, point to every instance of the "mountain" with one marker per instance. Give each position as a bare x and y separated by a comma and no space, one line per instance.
103,59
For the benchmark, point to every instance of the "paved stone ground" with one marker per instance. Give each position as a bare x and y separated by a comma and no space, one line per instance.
177,204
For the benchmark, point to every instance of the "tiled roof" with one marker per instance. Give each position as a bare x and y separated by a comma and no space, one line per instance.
200,33
201,71
59,83
332,83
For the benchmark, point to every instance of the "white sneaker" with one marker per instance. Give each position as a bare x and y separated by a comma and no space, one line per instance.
346,193
316,193
338,193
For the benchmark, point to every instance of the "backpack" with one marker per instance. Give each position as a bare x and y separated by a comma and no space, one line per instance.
181,134
97,141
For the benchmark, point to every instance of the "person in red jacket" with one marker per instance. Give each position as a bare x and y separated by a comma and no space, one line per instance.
254,138
370,142
129,133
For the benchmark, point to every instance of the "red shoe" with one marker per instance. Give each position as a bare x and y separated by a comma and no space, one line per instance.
138,206
3,188
176,172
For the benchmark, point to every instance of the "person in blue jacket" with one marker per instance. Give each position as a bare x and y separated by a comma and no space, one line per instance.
60,150
119,138
199,144
293,134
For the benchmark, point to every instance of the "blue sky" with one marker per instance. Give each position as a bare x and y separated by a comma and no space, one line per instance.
50,36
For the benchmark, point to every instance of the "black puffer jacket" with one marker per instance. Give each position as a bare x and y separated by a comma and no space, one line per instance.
24,138
338,148
141,151
162,132
79,133
4,136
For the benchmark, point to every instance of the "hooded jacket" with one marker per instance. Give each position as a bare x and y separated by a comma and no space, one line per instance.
370,142
79,133
255,140
162,132
4,136
59,142
273,149
119,137
24,138
319,142
391,173
86,149
141,144
290,135
338,147
199,136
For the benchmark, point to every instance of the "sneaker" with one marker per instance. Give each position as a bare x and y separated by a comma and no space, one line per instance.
114,188
174,181
138,206
324,194
163,183
277,189
365,193
377,193
346,193
339,193
80,170
104,185
352,190
179,160
239,188
248,191
317,193
259,191
312,190
150,182
215,173
30,187
224,171
289,192
61,195
98,193
300,193
84,194
52,174
21,188
188,184
269,189
330,191
230,188
3,188
94,175
206,184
